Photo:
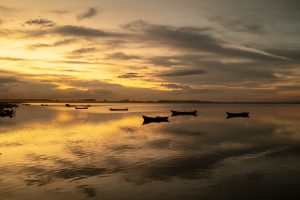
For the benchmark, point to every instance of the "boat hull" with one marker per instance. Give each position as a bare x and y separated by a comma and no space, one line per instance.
241,114
81,108
175,113
157,119
116,109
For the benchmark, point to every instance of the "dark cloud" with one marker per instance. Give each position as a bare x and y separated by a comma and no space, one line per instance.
175,86
13,59
40,22
84,50
55,44
184,72
80,31
292,53
122,56
130,75
9,80
165,61
88,14
239,25
193,39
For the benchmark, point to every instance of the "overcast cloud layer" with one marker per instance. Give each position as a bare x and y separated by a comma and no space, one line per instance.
218,50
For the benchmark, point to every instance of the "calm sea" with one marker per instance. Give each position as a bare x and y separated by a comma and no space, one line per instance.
54,152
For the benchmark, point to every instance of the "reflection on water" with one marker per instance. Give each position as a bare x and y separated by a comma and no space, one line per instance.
55,152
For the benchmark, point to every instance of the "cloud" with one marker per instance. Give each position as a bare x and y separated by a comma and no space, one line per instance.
70,30
40,22
175,86
84,50
88,14
193,39
55,44
122,56
13,59
9,80
292,53
239,25
130,75
183,72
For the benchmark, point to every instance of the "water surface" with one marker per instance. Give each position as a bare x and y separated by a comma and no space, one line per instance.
57,152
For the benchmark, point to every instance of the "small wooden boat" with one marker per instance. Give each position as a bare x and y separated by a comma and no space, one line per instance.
118,109
240,114
157,119
81,107
68,105
175,113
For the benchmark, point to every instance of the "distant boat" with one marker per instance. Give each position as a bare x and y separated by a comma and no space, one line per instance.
118,109
7,112
81,107
240,114
157,119
26,104
68,105
44,105
175,113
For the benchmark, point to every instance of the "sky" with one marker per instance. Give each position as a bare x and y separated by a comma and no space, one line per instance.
217,50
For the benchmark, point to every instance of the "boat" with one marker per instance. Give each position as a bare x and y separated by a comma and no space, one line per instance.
157,119
68,105
175,113
118,109
44,105
7,112
81,107
240,114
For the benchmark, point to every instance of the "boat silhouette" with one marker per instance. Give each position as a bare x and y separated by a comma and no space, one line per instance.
175,113
81,107
118,109
240,114
158,119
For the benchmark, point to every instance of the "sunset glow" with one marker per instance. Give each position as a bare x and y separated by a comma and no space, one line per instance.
150,50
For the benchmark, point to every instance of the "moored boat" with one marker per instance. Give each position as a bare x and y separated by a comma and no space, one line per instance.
175,113
81,107
118,109
157,119
239,114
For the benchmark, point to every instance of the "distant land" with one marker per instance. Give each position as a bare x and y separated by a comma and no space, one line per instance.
134,101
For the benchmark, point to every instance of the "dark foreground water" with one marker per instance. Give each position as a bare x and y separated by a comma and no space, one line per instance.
60,153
